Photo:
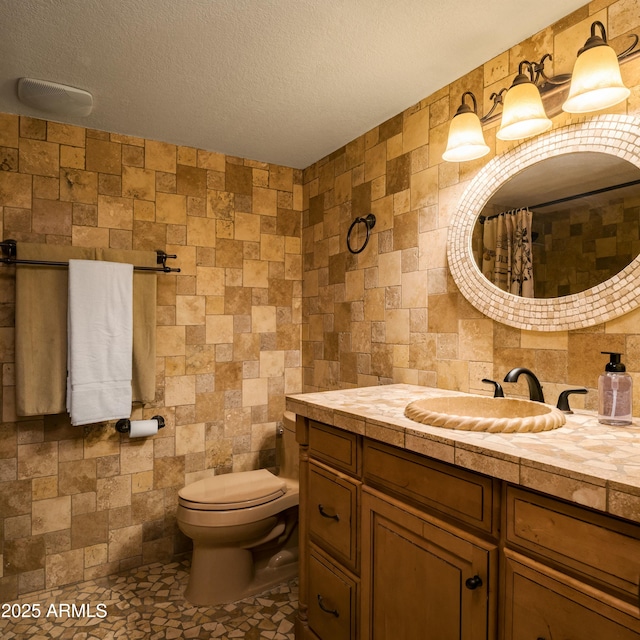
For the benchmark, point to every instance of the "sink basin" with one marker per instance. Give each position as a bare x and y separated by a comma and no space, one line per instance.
481,413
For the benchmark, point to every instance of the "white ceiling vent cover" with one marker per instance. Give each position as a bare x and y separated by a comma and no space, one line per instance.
55,98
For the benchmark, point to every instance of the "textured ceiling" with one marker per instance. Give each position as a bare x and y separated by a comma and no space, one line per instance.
281,81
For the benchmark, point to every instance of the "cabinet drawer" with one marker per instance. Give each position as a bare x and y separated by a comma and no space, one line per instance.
333,509
542,603
335,447
464,495
332,600
594,545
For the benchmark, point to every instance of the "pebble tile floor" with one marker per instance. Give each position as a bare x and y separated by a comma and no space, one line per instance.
147,604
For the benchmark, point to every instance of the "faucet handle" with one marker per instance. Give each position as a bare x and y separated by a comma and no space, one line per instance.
563,399
497,387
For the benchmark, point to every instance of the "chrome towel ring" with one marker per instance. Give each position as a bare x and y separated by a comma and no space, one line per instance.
370,222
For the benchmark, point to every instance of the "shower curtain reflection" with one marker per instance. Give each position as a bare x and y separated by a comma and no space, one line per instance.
506,251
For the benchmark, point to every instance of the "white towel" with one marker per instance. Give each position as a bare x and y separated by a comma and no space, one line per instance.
100,328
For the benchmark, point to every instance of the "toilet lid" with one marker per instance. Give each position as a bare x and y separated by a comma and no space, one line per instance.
234,490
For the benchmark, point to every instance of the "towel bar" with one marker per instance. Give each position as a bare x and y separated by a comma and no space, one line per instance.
9,257
124,424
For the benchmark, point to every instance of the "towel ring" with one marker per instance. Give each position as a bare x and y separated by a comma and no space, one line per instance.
370,222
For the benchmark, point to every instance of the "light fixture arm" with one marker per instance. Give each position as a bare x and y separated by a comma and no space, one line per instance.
595,40
498,99
464,107
631,48
534,71
538,68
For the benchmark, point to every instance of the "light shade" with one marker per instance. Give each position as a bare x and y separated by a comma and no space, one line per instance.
596,82
466,140
523,115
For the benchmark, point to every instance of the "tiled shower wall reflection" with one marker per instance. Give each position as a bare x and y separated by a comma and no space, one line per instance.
77,503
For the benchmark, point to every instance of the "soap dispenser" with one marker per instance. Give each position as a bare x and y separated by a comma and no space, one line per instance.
615,392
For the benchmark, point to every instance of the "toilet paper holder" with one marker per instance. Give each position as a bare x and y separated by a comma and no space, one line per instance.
124,424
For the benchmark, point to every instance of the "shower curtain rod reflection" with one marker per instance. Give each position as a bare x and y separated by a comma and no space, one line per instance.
481,219
9,248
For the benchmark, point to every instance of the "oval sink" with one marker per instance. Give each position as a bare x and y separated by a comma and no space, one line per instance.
481,413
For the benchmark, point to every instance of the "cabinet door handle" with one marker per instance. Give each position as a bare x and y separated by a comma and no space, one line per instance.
324,514
473,583
321,604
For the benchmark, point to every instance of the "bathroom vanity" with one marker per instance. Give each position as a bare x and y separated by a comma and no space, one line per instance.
413,531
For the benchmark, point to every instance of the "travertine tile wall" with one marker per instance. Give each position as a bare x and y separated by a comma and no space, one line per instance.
392,313
77,503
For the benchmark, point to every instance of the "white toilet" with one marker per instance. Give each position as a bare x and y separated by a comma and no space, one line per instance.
244,528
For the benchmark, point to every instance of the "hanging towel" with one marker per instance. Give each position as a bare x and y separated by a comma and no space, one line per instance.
100,335
144,319
41,328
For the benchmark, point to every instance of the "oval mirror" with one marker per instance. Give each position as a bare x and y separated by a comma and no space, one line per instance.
581,241
584,223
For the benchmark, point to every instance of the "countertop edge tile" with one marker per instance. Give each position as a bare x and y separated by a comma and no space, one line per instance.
489,465
430,447
349,423
623,504
565,487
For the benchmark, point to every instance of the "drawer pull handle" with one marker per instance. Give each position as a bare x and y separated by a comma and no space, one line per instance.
473,583
321,604
324,514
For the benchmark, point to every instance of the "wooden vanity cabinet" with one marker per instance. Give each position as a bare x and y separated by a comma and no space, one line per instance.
398,546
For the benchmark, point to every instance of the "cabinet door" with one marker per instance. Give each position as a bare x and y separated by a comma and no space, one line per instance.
422,579
543,604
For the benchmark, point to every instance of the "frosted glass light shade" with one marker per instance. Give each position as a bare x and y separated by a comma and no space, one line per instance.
523,114
466,141
596,82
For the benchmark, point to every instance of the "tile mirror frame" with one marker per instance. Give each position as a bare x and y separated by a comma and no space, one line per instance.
618,135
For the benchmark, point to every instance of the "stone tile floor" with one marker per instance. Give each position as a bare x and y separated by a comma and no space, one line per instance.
147,603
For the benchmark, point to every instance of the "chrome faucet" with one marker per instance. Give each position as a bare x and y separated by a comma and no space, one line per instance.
535,388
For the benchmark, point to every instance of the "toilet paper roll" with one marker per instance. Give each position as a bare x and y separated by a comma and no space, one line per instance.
143,428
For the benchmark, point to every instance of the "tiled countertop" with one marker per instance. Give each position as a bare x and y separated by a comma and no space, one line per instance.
588,463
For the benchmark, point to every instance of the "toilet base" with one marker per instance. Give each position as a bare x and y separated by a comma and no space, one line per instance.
237,574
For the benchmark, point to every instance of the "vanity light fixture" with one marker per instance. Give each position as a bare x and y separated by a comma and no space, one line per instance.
596,82
523,114
465,141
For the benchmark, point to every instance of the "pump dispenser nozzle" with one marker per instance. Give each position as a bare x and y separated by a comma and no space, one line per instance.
614,363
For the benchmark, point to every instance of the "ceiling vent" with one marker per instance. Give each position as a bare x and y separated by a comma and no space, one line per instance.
52,97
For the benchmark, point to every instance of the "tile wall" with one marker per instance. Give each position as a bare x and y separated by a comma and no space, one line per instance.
392,313
77,503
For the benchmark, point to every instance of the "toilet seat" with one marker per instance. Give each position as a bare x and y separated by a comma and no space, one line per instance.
232,491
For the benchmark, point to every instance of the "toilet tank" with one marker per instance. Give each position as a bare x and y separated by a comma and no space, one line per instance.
287,447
